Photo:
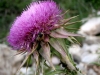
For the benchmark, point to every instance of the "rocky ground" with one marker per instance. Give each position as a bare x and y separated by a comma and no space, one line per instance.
87,56
9,61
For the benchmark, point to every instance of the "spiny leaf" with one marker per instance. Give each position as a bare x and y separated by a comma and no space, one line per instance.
56,44
65,13
62,31
67,20
46,53
23,62
28,62
69,39
71,23
64,22
28,55
36,57
63,44
57,35
75,40
55,72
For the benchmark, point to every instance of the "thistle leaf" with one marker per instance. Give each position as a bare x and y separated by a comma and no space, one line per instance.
56,45
57,35
55,72
28,55
71,23
69,39
36,57
62,31
23,62
45,52
65,13
63,44
64,22
67,20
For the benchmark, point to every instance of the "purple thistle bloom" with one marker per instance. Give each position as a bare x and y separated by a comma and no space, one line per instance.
32,30
39,17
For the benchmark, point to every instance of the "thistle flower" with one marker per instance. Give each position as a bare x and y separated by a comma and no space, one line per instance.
32,30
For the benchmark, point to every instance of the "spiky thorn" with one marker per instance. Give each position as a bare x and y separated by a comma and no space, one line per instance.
63,22
27,56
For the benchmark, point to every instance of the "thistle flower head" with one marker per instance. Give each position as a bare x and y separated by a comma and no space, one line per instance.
39,18
32,30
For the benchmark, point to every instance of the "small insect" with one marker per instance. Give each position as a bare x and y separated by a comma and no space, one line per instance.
40,37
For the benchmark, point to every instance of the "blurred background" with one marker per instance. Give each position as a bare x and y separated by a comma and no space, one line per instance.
86,55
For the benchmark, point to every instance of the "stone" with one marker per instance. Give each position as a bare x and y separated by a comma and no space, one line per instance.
91,72
90,58
55,60
75,51
9,61
91,27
